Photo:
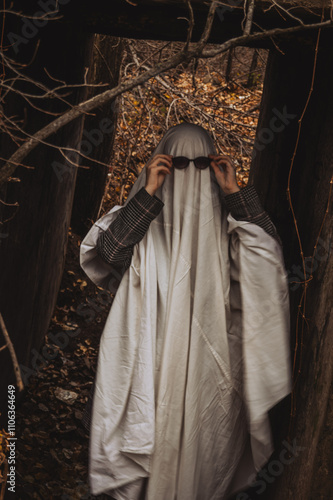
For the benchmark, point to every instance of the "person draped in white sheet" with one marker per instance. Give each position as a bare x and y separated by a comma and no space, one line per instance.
191,358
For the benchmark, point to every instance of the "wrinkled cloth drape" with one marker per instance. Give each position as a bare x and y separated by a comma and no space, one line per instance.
195,349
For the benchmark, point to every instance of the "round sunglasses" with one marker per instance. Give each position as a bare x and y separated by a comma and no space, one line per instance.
182,162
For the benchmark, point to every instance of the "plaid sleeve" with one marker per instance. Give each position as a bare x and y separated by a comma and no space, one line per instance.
87,411
245,205
115,245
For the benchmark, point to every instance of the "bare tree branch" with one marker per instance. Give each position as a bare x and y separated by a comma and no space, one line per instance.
191,24
208,27
287,11
245,39
249,18
197,50
11,349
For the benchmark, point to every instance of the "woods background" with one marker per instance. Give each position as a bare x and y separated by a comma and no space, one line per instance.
260,81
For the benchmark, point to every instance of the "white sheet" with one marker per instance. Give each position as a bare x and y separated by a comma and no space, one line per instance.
195,349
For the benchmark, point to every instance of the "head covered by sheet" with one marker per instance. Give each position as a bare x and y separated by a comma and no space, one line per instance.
189,190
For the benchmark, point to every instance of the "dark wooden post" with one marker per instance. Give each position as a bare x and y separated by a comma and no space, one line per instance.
98,136
32,251
287,86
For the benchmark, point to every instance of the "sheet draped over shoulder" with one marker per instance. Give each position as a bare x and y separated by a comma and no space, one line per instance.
195,350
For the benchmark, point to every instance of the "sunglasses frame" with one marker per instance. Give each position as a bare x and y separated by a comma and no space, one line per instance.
195,160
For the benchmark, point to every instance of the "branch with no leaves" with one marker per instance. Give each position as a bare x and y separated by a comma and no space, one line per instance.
287,11
245,39
190,24
249,18
197,50
10,346
44,91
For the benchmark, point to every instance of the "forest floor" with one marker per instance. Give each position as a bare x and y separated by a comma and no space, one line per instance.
53,445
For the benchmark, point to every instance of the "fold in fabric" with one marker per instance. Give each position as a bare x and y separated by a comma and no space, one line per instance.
195,348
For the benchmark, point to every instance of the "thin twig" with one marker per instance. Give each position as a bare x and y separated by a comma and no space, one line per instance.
305,282
244,39
11,349
287,11
191,24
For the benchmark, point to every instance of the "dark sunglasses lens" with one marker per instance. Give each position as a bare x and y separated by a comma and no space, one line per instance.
202,162
180,162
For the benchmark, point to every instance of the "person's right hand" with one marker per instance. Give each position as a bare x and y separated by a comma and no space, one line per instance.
157,168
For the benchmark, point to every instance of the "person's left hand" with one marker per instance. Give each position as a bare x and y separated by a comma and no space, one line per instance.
226,177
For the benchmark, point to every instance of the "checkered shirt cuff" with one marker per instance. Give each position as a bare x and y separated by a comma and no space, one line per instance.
245,205
115,245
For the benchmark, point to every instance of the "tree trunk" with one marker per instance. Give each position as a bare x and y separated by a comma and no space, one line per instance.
33,243
98,136
229,64
287,85
252,80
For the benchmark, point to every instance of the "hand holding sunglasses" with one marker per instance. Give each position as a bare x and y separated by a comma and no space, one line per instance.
157,168
226,177
160,165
